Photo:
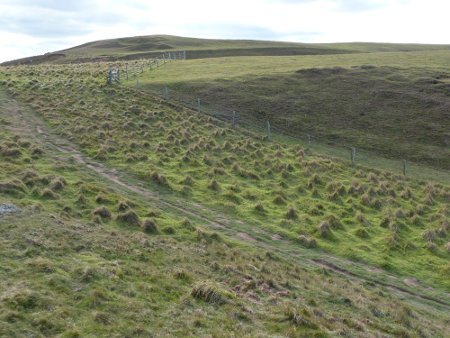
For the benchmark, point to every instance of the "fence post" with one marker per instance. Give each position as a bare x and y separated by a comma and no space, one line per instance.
184,55
353,155
309,139
166,93
109,75
126,69
268,130
404,168
198,101
234,119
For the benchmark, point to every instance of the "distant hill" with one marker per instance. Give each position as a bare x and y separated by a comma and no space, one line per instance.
152,45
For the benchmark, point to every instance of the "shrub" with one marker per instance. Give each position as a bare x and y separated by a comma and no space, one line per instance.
103,212
129,218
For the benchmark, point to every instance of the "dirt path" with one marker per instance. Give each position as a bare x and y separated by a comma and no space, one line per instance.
29,124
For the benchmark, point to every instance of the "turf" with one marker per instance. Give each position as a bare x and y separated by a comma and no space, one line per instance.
137,211
393,105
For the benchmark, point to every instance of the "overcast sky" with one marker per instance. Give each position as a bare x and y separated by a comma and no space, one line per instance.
30,27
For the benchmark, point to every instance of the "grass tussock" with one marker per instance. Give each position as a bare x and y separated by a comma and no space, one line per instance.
129,218
210,293
103,212
150,226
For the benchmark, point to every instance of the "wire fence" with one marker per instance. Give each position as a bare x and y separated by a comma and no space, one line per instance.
281,130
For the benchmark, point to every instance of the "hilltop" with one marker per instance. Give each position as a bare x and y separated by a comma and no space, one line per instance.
138,47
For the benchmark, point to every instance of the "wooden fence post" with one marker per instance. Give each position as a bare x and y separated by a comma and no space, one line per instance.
234,119
198,101
353,155
268,130
404,167
126,69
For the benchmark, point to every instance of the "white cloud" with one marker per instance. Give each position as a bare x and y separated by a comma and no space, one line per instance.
29,27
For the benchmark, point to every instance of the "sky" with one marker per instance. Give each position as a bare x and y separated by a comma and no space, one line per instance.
31,27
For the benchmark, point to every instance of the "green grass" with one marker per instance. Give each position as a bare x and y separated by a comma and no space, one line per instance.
163,147
392,105
152,46
101,271
69,269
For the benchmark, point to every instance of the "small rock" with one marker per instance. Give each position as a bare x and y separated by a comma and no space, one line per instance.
8,209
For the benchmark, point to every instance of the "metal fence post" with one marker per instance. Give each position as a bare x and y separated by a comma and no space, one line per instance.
404,167
353,155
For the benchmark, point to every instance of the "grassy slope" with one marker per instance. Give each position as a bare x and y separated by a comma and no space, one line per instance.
401,98
151,46
66,272
374,217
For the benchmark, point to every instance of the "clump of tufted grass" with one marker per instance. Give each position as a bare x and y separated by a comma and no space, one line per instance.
14,187
129,217
159,178
49,194
210,293
103,212
279,200
324,229
150,226
188,180
187,224
299,318
362,233
259,208
214,185
307,241
291,213
122,206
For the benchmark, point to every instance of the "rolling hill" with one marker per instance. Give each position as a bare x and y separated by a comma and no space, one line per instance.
135,209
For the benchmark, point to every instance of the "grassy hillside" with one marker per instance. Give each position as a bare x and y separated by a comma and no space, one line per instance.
395,105
152,46
136,211
400,225
81,260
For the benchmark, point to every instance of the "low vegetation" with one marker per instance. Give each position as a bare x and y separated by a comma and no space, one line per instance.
84,245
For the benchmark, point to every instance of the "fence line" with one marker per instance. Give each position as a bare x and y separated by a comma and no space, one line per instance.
272,129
